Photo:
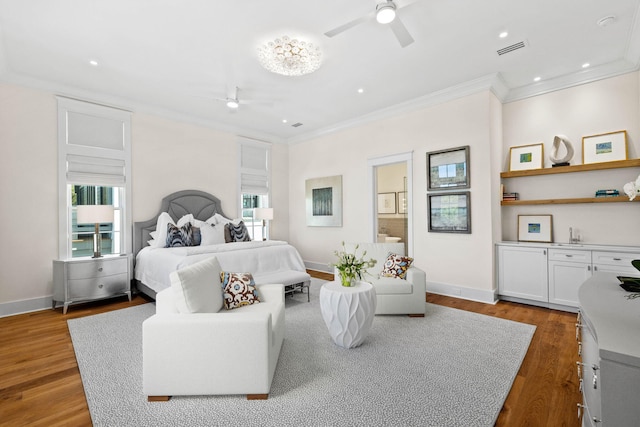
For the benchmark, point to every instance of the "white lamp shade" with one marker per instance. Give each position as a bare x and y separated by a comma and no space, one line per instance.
94,214
263,213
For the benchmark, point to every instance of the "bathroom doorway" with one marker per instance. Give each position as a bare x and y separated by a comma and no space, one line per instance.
391,204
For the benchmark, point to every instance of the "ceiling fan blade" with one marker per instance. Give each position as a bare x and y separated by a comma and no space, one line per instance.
348,25
401,32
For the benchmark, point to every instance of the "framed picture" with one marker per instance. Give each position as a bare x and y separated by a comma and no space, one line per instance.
386,203
323,198
525,157
534,228
448,169
605,147
450,212
402,202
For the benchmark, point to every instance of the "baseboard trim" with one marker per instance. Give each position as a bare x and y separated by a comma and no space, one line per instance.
318,266
479,295
25,306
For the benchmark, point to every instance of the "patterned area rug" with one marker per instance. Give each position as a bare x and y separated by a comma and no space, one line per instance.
450,368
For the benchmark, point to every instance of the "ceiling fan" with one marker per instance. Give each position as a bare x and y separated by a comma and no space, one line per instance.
233,102
385,13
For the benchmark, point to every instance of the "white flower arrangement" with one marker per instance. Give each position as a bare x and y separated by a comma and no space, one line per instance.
350,266
632,189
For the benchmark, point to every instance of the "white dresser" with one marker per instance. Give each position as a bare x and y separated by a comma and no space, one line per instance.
608,331
88,279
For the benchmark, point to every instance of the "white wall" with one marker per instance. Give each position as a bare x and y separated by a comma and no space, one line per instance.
461,122
167,156
603,106
28,195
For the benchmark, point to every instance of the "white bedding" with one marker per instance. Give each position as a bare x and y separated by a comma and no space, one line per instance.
153,265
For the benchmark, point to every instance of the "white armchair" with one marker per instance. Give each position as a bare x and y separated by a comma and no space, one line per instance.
195,353
394,295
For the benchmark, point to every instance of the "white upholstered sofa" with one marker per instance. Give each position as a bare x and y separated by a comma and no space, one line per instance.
195,346
394,295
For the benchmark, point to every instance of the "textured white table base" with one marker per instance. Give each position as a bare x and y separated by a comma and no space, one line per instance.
348,311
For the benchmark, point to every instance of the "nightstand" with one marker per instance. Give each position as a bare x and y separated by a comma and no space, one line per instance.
89,279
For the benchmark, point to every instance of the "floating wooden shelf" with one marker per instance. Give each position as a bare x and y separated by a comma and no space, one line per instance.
618,199
577,168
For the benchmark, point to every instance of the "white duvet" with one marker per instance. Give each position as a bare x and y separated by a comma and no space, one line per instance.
153,265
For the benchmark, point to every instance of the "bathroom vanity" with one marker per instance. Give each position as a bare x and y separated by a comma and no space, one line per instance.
550,274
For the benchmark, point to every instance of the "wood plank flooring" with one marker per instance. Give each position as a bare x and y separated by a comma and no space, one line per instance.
40,382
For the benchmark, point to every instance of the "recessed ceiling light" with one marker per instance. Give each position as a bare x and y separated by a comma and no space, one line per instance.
536,79
360,90
94,63
503,34
586,65
284,120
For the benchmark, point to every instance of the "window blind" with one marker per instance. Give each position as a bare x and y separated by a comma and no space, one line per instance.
254,168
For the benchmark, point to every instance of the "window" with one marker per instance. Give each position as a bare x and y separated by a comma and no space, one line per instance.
94,158
254,180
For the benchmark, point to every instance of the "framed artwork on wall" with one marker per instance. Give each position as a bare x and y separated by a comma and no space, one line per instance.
526,157
448,169
605,147
535,228
386,203
450,212
323,197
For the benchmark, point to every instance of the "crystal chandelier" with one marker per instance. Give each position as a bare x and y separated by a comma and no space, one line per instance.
289,57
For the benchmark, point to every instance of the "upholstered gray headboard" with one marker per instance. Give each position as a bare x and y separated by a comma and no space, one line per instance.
202,205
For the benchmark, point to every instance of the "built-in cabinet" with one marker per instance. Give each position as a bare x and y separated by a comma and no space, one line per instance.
550,275
609,354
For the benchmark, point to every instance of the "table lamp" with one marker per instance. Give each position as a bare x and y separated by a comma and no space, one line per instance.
264,214
95,214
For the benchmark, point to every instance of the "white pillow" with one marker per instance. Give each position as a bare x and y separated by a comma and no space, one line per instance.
211,234
197,288
219,219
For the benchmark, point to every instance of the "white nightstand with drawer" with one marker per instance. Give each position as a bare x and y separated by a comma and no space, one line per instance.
89,279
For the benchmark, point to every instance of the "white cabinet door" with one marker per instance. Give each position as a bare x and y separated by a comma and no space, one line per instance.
564,280
522,272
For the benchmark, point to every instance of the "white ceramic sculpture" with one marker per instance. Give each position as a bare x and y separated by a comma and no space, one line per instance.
553,155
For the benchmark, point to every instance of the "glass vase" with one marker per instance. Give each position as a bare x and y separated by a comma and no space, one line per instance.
347,280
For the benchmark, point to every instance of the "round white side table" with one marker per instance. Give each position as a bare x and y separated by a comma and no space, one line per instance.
348,311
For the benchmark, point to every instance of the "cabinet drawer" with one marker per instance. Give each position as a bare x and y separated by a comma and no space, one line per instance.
570,255
98,287
97,268
622,259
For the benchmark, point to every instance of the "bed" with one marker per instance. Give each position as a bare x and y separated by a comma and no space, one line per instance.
270,261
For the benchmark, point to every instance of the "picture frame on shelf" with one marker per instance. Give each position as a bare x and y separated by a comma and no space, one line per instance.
448,169
526,157
604,147
402,202
386,203
449,212
323,199
535,228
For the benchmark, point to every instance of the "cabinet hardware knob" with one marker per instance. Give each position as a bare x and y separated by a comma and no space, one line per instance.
588,268
580,386
595,381
568,256
99,268
617,259
579,348
580,410
100,286
595,268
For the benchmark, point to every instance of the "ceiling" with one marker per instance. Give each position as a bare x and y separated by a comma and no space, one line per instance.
174,58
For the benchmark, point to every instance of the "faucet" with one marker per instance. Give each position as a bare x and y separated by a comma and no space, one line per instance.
571,238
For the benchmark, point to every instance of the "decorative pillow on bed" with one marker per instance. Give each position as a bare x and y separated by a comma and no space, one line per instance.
182,236
236,232
210,234
196,288
396,266
164,219
239,289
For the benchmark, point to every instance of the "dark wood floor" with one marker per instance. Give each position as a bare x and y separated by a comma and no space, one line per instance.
40,382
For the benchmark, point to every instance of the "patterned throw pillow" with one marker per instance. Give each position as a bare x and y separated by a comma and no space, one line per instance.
180,236
236,232
238,289
396,266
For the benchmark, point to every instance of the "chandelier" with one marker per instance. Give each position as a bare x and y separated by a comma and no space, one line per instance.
289,57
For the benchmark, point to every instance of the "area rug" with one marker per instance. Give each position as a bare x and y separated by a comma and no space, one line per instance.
450,368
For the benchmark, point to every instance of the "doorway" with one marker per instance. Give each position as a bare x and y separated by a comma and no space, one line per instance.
391,207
